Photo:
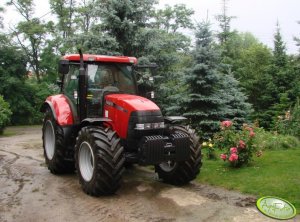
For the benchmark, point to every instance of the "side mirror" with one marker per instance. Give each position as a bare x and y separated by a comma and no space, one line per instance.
150,95
63,67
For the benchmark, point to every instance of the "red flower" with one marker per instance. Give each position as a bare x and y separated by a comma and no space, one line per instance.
233,150
226,124
223,156
252,134
242,144
248,128
233,157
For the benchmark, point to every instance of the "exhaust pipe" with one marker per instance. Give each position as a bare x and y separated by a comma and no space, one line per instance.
82,89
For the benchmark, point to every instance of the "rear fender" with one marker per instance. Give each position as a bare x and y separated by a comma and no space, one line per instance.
62,110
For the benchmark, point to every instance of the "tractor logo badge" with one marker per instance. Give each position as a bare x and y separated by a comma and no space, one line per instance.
276,208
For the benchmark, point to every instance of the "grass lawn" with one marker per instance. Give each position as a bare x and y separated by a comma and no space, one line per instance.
275,173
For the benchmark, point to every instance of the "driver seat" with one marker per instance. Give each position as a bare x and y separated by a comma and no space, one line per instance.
104,78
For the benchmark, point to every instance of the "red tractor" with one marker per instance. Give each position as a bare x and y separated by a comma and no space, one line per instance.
99,124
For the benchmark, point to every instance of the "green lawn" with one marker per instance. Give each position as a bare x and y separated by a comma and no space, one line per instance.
275,173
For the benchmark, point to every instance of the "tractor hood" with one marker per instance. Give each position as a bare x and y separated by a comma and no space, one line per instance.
130,103
131,113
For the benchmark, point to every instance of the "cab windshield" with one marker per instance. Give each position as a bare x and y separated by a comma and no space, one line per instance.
115,77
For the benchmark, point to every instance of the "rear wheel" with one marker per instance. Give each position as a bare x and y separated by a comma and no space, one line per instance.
54,147
99,160
179,173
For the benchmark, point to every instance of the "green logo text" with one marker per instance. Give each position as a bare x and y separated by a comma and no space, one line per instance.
276,208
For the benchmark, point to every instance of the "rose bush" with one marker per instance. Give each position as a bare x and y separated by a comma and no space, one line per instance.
237,144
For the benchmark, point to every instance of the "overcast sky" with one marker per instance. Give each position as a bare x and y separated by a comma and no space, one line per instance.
256,16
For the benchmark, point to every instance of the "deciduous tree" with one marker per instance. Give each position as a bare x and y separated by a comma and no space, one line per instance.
30,33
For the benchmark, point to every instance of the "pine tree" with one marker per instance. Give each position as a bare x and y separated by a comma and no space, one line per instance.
235,106
203,102
279,67
280,57
225,35
211,96
224,23
124,21
280,83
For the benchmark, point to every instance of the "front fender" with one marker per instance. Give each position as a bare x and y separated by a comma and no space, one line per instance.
174,119
61,109
95,122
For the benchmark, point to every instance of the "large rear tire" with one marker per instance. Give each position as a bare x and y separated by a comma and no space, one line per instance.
180,173
54,147
99,160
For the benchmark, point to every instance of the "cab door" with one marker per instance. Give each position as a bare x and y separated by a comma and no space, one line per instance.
70,88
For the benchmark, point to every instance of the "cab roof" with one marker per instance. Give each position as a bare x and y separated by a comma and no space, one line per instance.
101,58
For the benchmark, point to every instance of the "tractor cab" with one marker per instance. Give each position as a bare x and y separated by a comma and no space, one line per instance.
103,75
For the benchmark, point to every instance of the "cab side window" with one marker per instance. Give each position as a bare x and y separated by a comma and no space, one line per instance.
71,82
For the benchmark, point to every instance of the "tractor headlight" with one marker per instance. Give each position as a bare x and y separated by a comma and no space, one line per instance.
161,125
140,126
148,126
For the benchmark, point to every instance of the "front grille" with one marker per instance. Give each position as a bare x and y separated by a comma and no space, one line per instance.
134,136
143,117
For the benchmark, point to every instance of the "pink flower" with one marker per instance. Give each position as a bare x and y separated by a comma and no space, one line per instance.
242,144
233,150
223,156
248,128
233,157
252,134
226,124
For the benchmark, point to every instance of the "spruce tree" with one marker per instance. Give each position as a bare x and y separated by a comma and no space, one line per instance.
203,103
225,34
280,56
224,23
124,21
211,96
280,83
236,107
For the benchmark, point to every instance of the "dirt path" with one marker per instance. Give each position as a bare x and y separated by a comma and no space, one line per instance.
28,192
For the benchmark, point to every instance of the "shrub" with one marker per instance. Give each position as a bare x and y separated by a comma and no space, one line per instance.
238,145
290,123
39,93
266,140
5,114
26,100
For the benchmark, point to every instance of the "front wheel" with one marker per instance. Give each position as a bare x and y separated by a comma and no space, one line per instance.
55,147
179,173
99,160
